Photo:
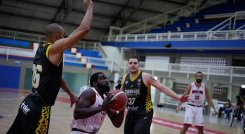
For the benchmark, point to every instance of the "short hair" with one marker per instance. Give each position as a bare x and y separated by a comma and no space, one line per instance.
199,72
52,28
94,78
134,57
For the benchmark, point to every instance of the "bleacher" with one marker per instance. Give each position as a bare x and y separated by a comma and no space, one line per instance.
85,58
25,50
207,19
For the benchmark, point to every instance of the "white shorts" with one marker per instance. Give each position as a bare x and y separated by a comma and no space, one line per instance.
194,115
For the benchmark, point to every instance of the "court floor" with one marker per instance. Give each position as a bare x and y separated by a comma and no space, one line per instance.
165,120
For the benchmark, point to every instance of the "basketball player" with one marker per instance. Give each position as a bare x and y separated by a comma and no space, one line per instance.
92,107
137,86
34,112
197,92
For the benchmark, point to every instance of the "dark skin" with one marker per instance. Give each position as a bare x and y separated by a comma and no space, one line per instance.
87,99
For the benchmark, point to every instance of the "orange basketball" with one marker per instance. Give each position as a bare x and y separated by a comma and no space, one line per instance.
119,100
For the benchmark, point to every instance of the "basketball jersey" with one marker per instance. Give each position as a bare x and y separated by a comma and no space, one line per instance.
91,124
197,95
139,96
46,77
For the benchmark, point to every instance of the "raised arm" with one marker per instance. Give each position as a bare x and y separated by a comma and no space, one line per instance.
56,50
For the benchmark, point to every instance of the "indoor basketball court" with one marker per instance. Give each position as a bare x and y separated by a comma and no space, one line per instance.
173,41
165,120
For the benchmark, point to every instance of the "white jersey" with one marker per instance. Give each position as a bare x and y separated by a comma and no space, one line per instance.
91,124
197,95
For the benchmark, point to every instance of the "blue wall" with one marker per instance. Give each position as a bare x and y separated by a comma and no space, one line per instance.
16,43
9,76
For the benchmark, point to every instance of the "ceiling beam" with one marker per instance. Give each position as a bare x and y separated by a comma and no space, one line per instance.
55,7
48,21
174,2
129,7
136,8
58,12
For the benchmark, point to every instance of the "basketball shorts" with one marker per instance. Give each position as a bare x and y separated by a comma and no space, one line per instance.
33,117
136,123
194,115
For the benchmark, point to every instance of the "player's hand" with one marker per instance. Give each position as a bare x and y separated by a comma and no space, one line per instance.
215,112
73,99
107,102
177,109
184,98
88,3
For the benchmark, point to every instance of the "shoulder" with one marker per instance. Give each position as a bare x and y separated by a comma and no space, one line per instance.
88,95
88,92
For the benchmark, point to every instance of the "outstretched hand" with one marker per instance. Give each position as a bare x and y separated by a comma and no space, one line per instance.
177,109
184,98
88,3
215,112
73,99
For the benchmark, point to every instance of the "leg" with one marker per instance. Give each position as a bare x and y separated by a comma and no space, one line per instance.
185,128
200,130
17,125
129,123
220,111
199,120
143,123
188,119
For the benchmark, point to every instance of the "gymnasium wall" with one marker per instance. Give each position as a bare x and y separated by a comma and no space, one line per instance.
17,74
10,76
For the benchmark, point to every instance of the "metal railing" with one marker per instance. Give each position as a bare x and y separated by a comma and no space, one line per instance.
162,19
231,72
178,36
96,46
229,23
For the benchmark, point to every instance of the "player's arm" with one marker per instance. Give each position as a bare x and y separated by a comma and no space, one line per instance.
82,109
186,93
210,102
122,82
56,50
116,117
87,99
73,98
150,80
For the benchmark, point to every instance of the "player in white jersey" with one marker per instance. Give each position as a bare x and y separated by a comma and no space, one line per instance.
92,108
197,92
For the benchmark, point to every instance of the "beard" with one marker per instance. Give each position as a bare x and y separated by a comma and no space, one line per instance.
104,89
198,81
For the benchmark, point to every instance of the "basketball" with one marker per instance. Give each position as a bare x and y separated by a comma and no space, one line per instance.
119,100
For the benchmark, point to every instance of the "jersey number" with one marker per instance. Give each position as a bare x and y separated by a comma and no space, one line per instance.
131,101
37,69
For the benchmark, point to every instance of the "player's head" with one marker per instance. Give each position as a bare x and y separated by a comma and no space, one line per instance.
54,32
133,64
199,77
99,81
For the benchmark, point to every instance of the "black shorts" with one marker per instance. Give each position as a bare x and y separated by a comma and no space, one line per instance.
136,123
33,117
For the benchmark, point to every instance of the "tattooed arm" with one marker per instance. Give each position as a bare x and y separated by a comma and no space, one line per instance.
150,80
